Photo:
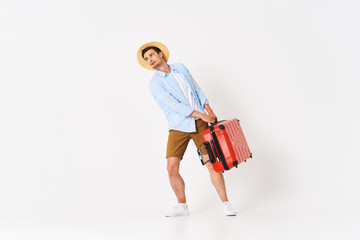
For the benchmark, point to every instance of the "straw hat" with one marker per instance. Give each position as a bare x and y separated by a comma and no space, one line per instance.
159,45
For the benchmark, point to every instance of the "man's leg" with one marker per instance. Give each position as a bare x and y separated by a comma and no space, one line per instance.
178,185
217,179
176,181
176,146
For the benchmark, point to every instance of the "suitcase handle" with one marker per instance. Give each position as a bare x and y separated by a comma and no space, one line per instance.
209,151
213,124
200,156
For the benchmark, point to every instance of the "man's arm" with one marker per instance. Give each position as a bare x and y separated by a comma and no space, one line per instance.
208,109
210,118
164,98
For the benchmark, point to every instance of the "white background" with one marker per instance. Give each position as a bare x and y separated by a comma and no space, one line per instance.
82,142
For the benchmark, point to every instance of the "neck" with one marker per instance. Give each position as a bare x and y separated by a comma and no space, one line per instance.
164,68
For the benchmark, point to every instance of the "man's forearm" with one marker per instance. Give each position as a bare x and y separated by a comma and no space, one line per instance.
211,118
197,114
208,109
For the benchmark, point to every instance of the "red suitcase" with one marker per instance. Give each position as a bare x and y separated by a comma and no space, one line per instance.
225,144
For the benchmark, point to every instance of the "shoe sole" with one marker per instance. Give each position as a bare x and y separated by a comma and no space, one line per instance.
230,214
177,215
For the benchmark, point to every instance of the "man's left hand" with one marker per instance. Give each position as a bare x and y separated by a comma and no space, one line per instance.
213,116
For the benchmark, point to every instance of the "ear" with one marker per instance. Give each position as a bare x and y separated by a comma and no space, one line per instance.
161,55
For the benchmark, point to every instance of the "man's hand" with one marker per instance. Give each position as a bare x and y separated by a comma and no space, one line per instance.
210,112
209,118
214,116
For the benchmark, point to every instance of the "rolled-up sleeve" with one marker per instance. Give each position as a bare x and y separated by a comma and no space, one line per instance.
165,99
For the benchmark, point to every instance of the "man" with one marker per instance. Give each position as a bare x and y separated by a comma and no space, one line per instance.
184,105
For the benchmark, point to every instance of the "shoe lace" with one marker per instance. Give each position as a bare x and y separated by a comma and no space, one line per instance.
228,206
178,207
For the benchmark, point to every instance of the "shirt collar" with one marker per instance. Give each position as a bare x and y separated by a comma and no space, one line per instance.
164,74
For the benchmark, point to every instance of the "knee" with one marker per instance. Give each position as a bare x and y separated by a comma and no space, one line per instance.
173,166
209,166
172,170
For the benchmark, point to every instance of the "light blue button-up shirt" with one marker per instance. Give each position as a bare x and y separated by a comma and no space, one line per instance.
169,96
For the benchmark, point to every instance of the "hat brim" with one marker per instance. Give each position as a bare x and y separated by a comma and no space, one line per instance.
159,45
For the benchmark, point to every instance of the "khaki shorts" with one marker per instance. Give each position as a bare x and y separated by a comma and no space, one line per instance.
178,141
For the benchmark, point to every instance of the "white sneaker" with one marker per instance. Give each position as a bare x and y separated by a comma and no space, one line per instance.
178,211
228,209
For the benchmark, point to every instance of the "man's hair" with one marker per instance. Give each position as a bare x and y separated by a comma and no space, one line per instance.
148,48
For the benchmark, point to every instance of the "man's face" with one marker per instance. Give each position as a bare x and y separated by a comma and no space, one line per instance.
153,59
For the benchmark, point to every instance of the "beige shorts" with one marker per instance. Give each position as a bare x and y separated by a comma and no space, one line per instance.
178,141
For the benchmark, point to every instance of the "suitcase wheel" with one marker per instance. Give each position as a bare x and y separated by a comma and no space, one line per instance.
251,155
